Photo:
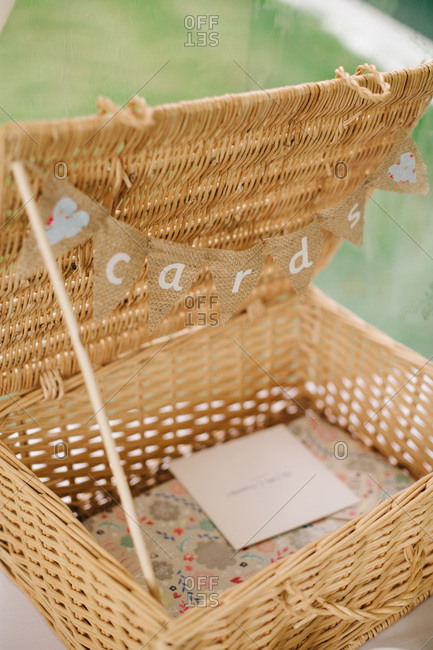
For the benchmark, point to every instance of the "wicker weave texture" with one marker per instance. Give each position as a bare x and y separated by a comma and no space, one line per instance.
331,594
217,172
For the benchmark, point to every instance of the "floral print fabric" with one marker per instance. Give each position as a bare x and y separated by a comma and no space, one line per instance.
193,562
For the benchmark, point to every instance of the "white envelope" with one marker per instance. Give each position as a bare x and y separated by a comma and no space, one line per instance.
261,485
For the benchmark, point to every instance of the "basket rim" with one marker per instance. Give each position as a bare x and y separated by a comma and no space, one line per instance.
218,101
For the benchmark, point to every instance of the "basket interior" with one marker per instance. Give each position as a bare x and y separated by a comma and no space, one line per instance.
183,393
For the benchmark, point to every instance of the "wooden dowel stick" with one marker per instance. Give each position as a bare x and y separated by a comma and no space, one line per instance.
89,377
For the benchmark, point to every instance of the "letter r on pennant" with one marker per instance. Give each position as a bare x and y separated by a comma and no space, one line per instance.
240,275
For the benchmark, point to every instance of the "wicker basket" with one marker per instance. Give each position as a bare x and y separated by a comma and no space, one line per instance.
221,173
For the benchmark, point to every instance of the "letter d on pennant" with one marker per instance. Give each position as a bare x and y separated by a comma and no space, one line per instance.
297,253
302,255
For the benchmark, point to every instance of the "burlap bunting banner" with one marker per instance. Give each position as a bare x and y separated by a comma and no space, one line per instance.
297,254
172,270
235,274
119,256
71,217
403,169
347,218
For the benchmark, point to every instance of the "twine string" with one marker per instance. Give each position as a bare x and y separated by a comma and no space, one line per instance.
135,112
363,91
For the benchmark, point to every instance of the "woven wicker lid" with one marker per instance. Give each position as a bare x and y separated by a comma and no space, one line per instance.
221,172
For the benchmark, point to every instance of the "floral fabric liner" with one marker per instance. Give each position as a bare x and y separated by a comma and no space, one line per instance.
193,562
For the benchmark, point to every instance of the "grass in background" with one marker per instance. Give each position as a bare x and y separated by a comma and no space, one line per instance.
57,57
389,282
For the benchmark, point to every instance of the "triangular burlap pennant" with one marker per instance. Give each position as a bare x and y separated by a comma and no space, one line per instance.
347,218
235,274
120,255
70,217
403,169
173,269
297,254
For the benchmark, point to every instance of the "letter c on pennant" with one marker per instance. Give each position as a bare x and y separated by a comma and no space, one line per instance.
111,265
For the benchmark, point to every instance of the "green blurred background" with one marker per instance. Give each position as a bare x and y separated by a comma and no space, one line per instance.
57,57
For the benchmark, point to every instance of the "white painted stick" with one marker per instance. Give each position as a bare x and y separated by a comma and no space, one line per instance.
89,378
6,7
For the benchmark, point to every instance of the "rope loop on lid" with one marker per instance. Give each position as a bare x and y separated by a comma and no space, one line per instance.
364,92
134,113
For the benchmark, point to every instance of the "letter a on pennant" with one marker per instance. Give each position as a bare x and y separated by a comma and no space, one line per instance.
173,269
297,253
